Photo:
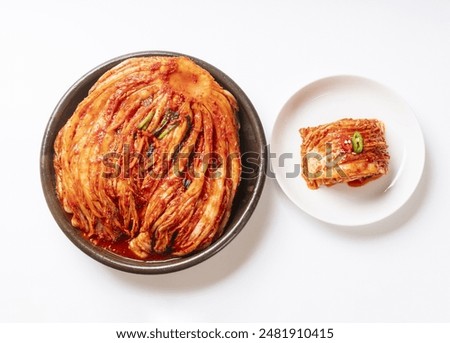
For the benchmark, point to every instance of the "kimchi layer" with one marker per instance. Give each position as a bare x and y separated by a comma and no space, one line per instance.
149,162
328,159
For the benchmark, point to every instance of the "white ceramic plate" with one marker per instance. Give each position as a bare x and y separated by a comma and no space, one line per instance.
339,97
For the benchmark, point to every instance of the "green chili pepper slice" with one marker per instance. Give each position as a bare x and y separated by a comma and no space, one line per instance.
357,142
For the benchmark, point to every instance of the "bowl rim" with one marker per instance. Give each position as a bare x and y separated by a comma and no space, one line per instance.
107,257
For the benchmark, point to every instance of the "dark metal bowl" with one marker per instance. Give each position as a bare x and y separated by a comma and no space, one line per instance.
254,163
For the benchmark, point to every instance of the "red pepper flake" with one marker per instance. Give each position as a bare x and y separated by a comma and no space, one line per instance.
346,143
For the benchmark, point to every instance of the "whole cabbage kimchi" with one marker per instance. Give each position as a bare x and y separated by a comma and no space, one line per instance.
149,163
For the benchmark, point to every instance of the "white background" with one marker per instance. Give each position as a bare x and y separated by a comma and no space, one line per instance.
284,265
